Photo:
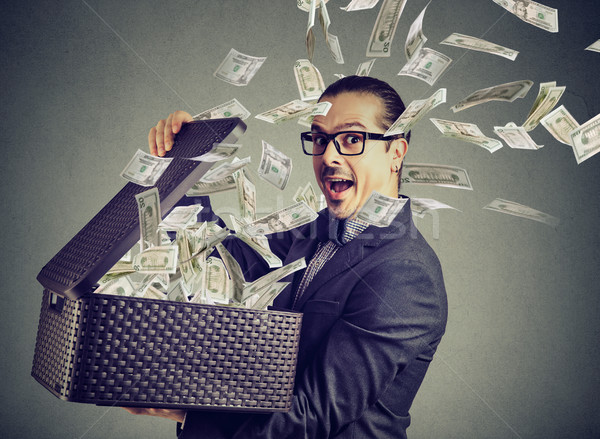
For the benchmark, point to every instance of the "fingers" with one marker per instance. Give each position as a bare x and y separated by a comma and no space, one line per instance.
175,415
162,136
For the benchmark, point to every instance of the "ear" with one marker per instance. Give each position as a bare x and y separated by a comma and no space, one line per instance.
398,149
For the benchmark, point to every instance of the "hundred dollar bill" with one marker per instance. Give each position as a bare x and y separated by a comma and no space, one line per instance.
359,5
230,108
145,169
217,282
560,123
161,259
224,170
533,13
238,68
246,195
436,175
294,109
504,92
467,132
149,214
259,244
415,40
516,209
426,65
594,47
586,139
285,219
275,167
181,217
546,105
272,277
516,137
419,206
415,112
385,27
380,210
472,43
201,188
266,296
365,68
309,80
219,151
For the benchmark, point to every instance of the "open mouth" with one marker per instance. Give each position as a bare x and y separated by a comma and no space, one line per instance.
338,185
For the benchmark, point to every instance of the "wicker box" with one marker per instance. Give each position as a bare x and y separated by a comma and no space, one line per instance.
125,351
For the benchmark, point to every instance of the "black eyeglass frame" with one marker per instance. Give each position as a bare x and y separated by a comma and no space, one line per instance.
307,136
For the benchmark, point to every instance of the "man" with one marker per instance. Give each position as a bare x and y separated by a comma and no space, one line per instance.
373,299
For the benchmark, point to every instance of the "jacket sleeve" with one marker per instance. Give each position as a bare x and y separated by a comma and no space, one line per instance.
393,314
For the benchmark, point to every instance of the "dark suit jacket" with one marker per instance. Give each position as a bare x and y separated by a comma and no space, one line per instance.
373,318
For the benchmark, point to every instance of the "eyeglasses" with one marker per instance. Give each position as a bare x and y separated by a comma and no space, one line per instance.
346,142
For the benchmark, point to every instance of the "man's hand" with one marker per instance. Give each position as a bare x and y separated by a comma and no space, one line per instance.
160,137
175,415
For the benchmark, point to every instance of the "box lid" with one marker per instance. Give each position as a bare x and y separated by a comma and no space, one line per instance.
115,228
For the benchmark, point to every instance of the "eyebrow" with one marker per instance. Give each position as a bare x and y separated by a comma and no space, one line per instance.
341,127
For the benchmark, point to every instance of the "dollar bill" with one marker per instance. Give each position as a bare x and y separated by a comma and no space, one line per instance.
272,277
334,48
266,296
472,43
121,267
219,151
415,40
149,215
161,259
308,195
154,293
533,13
145,169
426,65
516,137
230,108
258,243
547,103
385,27
594,47
224,170
217,282
310,34
200,188
467,132
560,123
178,292
181,217
520,210
275,167
293,110
246,195
120,286
319,109
415,111
544,88
364,68
586,139
436,175
309,80
238,68
285,219
359,5
380,210
504,92
419,206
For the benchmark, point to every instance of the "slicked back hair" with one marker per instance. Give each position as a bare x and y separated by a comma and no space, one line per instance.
393,106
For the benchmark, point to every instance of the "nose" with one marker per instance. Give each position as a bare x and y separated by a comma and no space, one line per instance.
331,156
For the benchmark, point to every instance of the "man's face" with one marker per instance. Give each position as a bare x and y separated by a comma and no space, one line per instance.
347,181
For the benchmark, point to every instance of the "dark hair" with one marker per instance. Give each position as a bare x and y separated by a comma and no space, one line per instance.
393,106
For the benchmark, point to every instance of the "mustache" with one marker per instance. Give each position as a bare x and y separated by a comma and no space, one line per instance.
337,171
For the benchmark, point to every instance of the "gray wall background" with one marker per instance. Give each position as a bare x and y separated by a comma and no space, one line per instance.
83,81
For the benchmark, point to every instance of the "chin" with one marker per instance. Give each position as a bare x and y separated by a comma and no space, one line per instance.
340,212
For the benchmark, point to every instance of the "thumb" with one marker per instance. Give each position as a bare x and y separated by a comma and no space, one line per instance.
179,118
